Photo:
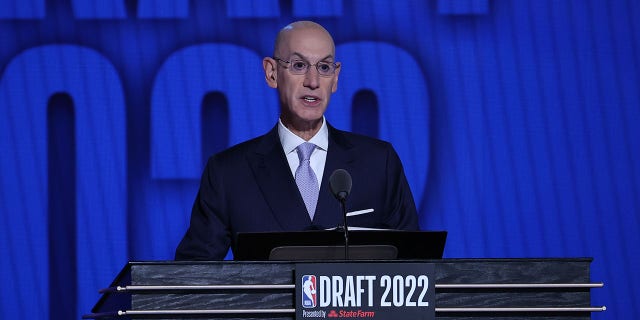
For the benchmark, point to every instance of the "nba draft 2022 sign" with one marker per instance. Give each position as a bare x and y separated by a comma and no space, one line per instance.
363,290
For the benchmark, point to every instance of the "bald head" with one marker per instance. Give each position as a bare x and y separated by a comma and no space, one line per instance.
304,70
285,34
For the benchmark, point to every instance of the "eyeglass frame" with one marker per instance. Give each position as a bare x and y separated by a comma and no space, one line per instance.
335,66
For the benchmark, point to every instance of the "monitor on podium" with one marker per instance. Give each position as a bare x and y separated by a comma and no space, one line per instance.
364,244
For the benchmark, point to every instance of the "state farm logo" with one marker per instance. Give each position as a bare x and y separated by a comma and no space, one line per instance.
360,314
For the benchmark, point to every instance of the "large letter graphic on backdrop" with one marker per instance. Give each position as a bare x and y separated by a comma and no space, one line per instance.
176,149
17,9
253,9
317,9
397,80
98,9
182,82
82,9
28,82
168,9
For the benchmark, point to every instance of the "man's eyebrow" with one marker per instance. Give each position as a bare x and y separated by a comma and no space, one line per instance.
300,55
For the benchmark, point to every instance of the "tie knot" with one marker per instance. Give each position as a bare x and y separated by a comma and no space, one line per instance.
305,150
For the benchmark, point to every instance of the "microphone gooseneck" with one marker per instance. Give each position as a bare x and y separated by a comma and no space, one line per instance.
340,184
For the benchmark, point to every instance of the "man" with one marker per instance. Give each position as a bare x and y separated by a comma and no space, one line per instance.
280,181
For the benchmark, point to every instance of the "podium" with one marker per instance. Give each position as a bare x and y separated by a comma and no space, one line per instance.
464,288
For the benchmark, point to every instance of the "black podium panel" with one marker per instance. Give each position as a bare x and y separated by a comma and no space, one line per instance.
465,289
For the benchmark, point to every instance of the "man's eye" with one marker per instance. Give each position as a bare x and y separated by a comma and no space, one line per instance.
299,65
324,67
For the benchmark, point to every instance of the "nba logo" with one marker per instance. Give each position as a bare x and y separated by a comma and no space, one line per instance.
308,291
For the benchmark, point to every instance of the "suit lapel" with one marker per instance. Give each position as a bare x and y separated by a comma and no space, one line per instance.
339,156
269,166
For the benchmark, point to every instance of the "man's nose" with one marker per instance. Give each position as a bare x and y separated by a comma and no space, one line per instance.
311,78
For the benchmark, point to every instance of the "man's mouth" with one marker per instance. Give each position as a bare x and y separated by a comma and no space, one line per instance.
310,99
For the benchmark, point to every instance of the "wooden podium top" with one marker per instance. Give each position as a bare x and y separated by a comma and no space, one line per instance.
556,288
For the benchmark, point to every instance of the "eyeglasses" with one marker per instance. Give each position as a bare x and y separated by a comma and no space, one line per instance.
325,69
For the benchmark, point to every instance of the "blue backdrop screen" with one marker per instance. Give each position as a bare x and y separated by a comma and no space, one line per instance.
516,121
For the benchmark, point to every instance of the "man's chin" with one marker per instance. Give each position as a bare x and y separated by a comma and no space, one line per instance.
306,121
311,114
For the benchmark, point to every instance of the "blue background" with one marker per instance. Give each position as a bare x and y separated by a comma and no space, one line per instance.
517,123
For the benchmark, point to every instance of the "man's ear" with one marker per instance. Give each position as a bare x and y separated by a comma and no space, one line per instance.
334,86
270,71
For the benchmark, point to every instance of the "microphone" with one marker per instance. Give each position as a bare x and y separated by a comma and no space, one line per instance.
340,185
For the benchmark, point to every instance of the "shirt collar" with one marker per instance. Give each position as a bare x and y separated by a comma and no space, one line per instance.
290,141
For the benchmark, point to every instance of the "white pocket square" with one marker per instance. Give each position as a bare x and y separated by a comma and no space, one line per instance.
359,212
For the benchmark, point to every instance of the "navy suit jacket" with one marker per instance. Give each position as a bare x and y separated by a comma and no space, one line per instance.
249,188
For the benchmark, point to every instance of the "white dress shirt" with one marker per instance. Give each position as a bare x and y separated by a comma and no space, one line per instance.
290,142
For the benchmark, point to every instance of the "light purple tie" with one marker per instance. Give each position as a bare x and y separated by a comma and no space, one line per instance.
306,178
